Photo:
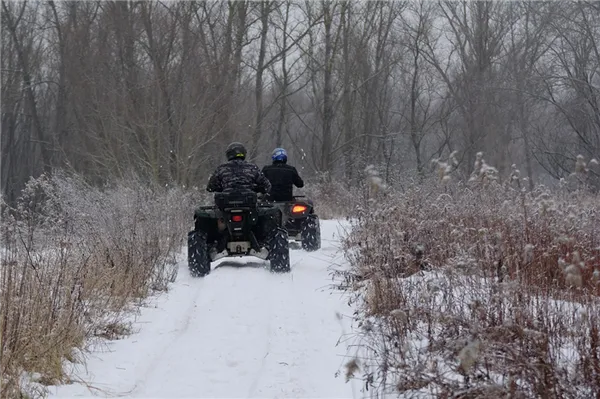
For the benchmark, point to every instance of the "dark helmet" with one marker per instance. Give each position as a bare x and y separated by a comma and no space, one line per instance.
235,151
279,155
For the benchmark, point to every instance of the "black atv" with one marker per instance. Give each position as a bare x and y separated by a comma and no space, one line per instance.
301,222
237,225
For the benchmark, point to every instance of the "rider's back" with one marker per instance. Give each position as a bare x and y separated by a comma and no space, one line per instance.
282,177
236,175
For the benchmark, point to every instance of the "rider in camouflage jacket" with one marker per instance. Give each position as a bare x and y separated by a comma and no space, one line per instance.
238,174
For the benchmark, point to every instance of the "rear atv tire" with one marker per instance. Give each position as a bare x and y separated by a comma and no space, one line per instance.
279,252
198,259
311,234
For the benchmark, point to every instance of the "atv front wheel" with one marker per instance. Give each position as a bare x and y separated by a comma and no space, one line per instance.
279,252
198,260
311,234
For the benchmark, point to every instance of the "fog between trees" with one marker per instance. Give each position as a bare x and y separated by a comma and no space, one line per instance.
160,88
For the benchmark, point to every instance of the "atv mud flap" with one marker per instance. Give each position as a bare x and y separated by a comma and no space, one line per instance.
214,255
262,254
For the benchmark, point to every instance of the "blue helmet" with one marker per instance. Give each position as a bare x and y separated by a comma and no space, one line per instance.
279,155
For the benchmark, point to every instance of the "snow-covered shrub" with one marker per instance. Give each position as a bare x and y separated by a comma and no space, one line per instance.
335,198
478,288
332,198
74,259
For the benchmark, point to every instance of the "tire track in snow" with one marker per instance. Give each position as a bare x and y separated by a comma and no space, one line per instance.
280,297
306,331
189,314
267,349
239,332
225,343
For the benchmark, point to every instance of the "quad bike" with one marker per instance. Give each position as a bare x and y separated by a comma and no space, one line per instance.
301,222
237,225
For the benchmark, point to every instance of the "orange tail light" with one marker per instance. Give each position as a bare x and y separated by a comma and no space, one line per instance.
299,208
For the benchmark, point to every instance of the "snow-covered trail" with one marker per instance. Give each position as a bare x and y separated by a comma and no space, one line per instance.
240,332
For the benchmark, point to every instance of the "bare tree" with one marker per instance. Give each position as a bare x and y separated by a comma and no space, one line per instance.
477,33
571,80
159,88
420,103
19,20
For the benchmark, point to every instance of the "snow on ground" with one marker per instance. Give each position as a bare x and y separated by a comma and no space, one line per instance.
240,332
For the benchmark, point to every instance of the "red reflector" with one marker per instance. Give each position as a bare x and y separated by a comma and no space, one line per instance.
299,208
236,218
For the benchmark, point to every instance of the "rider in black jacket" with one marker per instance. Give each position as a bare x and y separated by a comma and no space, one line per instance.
282,177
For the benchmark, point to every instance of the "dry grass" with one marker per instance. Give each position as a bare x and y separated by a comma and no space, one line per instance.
74,261
332,198
478,290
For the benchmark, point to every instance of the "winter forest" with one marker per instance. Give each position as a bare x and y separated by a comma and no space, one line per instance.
457,142
162,87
